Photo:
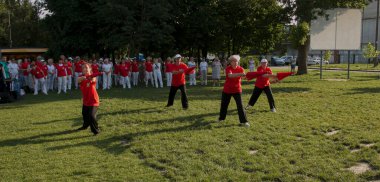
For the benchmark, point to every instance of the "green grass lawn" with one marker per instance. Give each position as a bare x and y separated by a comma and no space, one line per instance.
321,128
361,67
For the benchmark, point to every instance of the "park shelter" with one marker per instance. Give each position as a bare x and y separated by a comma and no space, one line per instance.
19,53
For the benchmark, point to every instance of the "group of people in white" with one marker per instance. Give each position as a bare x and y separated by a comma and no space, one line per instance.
47,76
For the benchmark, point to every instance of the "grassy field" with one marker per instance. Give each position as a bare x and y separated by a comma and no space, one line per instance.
322,131
361,67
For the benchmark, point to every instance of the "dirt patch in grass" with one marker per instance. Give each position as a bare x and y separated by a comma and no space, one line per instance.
336,80
366,145
253,152
360,168
332,132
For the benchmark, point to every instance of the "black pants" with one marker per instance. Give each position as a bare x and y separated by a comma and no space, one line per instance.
256,94
89,118
224,106
173,91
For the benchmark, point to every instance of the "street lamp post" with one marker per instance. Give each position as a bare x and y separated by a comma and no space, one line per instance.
377,29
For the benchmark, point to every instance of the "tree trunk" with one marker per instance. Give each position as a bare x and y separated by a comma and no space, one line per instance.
303,51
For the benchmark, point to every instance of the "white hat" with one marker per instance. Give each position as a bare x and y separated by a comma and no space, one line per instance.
70,58
177,56
264,61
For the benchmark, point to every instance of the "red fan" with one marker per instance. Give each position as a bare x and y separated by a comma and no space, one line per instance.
282,75
252,75
189,70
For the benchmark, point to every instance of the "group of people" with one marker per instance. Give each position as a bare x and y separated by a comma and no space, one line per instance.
87,74
46,76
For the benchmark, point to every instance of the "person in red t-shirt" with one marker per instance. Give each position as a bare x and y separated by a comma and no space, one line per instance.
116,73
61,76
124,74
168,71
263,84
95,70
232,88
90,99
77,69
135,72
39,79
25,73
69,77
178,82
148,72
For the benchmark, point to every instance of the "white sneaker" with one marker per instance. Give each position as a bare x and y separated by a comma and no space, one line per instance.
35,94
247,125
273,110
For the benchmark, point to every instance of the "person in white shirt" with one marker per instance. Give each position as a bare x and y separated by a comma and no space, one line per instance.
192,64
107,73
216,67
157,73
251,65
51,75
13,69
203,66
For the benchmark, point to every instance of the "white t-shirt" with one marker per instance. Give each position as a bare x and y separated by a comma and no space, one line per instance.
13,69
203,66
106,67
51,69
157,66
191,64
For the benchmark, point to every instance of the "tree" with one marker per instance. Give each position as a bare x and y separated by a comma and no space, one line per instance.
306,10
370,52
327,55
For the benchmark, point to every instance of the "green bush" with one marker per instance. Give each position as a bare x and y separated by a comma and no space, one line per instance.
245,60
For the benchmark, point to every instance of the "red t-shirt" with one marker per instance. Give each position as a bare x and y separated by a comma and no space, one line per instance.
123,70
61,70
45,69
90,96
233,85
78,66
24,66
95,68
39,64
148,67
37,73
116,69
262,82
135,67
168,67
68,69
129,64
178,79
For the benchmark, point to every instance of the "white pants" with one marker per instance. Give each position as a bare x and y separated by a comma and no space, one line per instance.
149,76
37,83
251,68
116,79
169,79
50,81
69,81
204,77
30,81
107,81
125,81
135,78
76,75
157,78
192,80
62,83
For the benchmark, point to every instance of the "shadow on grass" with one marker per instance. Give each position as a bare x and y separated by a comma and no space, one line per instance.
364,90
119,144
40,139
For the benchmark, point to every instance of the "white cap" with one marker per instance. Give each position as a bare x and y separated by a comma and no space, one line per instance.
264,61
177,56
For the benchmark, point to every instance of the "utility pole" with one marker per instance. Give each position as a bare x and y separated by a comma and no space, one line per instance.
377,30
9,25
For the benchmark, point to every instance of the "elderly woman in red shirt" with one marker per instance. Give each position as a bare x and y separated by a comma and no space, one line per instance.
90,99
178,82
263,84
232,88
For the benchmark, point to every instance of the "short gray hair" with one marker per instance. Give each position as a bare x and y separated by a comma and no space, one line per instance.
236,57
